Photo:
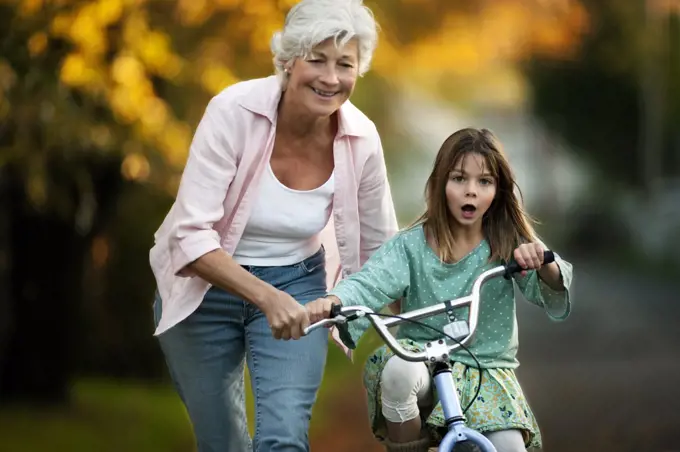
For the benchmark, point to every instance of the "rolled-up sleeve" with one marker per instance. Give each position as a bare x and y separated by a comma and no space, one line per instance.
556,303
209,171
377,218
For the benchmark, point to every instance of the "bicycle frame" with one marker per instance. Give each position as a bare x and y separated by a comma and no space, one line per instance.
453,414
436,352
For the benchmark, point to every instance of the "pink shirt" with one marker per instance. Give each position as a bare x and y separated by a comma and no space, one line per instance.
229,152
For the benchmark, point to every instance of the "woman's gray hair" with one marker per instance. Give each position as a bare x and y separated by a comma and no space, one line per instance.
311,22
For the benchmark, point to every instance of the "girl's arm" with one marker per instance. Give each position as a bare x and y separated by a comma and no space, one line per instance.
552,276
383,279
549,286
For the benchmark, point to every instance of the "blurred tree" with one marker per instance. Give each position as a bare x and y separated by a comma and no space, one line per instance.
618,102
98,99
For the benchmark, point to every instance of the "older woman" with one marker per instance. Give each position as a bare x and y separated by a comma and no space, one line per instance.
284,192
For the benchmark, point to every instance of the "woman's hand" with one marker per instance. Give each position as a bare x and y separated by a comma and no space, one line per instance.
287,318
320,308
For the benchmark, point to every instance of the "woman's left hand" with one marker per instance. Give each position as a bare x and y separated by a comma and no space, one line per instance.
529,256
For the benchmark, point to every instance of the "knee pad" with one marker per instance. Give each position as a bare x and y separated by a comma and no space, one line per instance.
403,385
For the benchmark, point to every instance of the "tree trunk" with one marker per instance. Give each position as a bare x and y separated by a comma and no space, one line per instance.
46,267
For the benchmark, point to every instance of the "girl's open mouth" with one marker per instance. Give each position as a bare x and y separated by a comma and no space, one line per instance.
468,210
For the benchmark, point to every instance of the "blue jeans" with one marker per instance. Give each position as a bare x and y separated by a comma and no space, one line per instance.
205,356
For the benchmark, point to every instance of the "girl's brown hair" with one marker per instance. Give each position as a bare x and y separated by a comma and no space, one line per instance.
505,224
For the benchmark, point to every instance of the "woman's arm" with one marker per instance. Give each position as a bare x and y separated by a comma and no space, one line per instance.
195,248
208,173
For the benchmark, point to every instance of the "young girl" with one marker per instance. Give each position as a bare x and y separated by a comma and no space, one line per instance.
473,222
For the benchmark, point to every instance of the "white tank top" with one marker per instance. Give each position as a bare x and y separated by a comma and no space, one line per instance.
284,224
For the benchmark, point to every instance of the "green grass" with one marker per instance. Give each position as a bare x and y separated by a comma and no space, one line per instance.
104,416
107,415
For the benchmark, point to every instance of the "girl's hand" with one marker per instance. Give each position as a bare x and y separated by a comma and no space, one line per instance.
529,256
320,308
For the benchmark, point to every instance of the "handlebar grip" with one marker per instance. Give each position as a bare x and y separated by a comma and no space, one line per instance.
548,257
336,310
514,267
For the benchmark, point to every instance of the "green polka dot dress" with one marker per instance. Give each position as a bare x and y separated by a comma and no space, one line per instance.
407,268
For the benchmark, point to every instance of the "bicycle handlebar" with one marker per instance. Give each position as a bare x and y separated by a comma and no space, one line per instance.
343,314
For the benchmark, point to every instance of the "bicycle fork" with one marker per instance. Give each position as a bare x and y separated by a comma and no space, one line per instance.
453,414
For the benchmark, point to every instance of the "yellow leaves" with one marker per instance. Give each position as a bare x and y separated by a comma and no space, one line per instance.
665,7
480,47
138,50
127,101
455,49
133,101
135,167
135,27
261,18
194,12
155,51
557,32
227,4
77,71
503,87
263,31
527,28
155,117
387,57
127,70
126,82
122,104
7,76
101,136
61,24
37,44
29,8
259,7
174,144
474,52
216,77
87,32
132,97
152,47
108,11
287,4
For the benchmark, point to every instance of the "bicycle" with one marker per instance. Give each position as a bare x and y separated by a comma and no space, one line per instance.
437,352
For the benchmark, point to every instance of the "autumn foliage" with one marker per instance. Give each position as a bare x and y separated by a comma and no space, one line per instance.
132,76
